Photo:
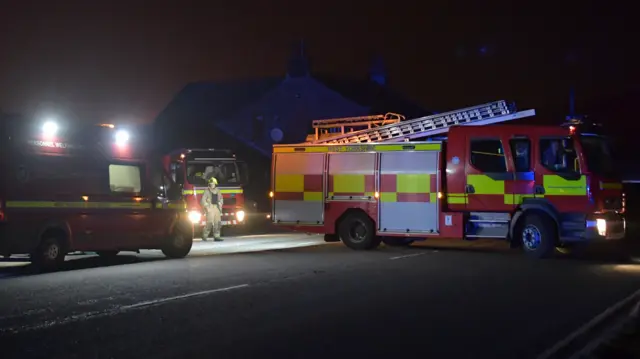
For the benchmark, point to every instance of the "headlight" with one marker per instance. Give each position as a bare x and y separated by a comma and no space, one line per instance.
195,216
601,225
240,216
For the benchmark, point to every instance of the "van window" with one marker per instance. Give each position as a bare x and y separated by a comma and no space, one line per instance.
488,155
125,178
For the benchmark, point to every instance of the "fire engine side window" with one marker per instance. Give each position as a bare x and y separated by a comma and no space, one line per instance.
176,173
558,155
487,155
521,151
125,179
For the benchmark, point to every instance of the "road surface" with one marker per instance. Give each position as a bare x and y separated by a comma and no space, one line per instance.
309,302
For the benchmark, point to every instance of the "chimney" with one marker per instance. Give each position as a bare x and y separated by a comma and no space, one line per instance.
377,71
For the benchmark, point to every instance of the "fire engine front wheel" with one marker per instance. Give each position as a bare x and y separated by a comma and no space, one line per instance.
538,236
357,231
49,254
178,245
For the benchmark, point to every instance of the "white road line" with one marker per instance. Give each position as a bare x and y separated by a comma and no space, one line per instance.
178,297
111,312
408,256
589,325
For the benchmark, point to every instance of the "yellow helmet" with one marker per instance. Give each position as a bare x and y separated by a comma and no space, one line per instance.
213,180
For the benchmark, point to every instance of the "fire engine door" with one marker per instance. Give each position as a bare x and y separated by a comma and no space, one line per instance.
558,175
523,184
487,174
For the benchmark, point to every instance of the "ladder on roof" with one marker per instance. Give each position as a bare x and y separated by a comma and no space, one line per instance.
489,113
350,124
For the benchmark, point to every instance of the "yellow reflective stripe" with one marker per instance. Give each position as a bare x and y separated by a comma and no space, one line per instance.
604,185
517,198
359,148
301,149
226,191
313,196
289,183
555,185
483,184
457,198
433,197
201,191
79,204
409,147
413,183
389,197
348,183
177,205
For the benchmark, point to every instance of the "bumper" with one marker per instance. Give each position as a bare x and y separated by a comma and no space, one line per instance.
609,227
594,228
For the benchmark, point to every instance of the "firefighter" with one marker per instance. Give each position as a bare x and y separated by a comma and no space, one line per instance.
211,203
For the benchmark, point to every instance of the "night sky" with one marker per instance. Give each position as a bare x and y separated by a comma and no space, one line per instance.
108,62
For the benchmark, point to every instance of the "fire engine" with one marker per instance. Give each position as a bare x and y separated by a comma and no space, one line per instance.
191,168
542,188
84,188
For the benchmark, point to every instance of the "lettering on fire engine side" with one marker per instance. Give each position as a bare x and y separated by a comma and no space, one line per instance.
357,148
52,144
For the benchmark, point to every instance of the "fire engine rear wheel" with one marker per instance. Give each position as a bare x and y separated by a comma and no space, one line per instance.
538,235
178,245
357,231
50,253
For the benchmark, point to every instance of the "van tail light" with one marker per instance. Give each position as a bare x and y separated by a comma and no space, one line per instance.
1,210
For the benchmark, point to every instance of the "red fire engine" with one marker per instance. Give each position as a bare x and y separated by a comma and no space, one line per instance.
540,188
191,168
84,189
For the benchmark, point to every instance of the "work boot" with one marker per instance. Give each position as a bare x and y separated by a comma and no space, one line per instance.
218,239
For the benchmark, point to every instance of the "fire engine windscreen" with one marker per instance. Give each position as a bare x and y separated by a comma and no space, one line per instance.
598,154
228,173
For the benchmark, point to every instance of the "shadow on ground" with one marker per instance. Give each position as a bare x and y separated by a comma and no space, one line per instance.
88,262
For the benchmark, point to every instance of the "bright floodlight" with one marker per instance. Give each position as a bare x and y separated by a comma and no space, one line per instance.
49,128
122,137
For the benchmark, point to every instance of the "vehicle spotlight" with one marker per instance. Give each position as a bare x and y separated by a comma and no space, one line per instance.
50,128
122,137
240,216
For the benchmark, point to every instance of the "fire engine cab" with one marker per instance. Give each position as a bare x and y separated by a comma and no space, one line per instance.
540,188
84,188
191,168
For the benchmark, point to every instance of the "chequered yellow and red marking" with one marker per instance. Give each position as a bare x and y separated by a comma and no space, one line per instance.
498,193
298,187
411,187
351,185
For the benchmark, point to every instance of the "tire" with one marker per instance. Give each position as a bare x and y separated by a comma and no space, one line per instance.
357,232
397,241
50,253
538,236
178,245
107,254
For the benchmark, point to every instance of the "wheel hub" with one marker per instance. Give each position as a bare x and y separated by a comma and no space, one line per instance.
52,252
178,241
358,232
531,237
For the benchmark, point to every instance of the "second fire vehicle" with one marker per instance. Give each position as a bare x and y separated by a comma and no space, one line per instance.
541,188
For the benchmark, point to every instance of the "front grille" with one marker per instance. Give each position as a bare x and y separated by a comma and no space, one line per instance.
230,201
